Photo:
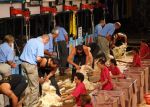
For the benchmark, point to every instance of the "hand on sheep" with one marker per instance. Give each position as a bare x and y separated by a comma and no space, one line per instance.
46,78
77,67
19,105
99,86
41,80
113,46
62,99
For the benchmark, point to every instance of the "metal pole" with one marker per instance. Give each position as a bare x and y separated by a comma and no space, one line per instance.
26,26
29,29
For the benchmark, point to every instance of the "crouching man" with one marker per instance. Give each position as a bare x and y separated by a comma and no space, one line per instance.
48,67
13,86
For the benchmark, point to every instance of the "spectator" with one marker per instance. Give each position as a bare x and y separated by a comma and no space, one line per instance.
6,62
32,53
7,56
98,28
49,49
62,41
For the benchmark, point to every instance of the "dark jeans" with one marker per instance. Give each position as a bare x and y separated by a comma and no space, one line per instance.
63,54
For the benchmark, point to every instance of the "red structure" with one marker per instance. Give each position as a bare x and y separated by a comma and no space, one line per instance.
87,6
48,9
17,11
72,8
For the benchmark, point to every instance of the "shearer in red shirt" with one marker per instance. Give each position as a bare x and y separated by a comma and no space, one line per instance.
79,89
144,50
136,62
115,71
136,58
105,79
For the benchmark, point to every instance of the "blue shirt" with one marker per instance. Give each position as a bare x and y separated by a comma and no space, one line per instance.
62,33
49,45
108,29
33,48
98,28
6,53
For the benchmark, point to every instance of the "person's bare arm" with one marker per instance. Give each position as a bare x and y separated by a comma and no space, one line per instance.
104,82
67,98
43,62
89,57
70,58
39,59
116,76
146,55
6,89
108,37
52,72
123,61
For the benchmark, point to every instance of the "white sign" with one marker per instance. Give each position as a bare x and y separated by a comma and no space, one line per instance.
79,31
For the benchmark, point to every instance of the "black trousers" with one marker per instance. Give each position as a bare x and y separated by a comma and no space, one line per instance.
63,54
52,79
18,85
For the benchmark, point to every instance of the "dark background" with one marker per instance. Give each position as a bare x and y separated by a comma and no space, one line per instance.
136,25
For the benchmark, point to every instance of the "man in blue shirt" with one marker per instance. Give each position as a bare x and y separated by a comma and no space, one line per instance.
62,41
105,37
49,47
6,62
98,28
31,55
7,56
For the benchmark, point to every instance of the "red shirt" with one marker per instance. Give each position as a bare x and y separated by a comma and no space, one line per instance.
144,49
149,53
115,70
103,76
137,60
88,105
79,90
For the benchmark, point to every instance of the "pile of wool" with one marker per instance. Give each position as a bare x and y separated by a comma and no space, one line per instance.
119,51
68,84
49,97
85,69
